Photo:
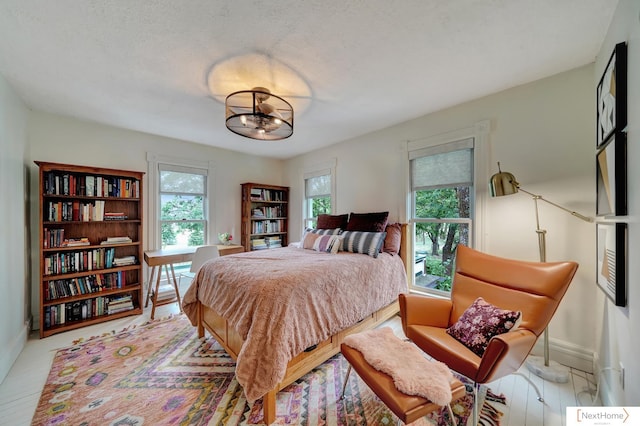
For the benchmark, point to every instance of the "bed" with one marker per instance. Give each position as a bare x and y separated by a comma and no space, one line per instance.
279,313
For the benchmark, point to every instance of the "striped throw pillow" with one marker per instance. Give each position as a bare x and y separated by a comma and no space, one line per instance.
363,242
328,243
333,231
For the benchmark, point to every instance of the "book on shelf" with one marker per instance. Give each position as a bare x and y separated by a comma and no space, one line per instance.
115,216
75,211
259,244
273,242
74,311
56,183
116,240
78,261
166,292
267,226
53,237
90,184
124,261
256,194
120,304
58,289
74,242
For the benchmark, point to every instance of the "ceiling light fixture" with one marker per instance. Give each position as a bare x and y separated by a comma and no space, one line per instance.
249,114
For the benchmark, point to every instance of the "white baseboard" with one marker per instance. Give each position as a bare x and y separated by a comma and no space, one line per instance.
568,354
8,357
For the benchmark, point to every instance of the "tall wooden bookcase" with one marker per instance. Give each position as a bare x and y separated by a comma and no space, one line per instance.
265,216
90,225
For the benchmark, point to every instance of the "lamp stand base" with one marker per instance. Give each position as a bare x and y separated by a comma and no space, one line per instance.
553,372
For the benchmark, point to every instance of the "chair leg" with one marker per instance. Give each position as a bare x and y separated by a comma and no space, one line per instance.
346,381
476,408
533,385
451,416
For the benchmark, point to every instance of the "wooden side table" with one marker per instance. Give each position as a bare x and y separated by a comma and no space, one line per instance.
156,259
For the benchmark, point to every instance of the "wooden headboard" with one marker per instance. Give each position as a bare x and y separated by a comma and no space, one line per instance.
407,258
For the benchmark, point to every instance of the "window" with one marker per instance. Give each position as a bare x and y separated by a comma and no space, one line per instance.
442,193
183,205
317,195
319,192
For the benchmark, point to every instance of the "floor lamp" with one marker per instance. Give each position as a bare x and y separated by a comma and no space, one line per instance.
504,183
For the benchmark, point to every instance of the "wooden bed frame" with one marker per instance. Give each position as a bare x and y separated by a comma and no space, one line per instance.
303,363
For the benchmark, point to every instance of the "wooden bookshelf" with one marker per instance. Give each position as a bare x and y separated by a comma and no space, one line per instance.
90,225
265,216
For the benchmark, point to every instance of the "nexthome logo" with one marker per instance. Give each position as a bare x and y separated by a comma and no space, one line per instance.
602,416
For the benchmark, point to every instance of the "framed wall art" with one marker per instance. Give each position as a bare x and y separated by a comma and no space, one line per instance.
611,177
612,260
611,96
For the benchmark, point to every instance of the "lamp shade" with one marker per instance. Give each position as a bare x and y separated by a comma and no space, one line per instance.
258,114
503,183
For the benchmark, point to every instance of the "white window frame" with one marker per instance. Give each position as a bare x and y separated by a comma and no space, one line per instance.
479,132
154,237
320,169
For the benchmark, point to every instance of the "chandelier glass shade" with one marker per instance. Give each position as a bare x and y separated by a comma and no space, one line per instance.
258,114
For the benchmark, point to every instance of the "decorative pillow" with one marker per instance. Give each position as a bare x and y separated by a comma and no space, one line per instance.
328,243
368,222
480,322
327,221
334,231
363,242
393,238
309,240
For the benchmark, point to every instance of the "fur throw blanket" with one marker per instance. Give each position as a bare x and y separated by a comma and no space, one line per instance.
412,373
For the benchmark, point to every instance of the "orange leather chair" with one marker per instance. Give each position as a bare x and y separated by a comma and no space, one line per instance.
533,288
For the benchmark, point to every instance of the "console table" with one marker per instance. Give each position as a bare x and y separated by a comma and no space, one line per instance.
156,259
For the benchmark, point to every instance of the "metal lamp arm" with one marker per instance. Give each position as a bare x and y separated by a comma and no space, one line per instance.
542,246
573,213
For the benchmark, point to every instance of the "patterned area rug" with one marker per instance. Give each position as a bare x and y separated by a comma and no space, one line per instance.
162,374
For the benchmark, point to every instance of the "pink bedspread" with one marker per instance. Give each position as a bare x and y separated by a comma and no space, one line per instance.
282,301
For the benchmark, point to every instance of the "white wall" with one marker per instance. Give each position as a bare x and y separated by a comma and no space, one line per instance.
541,132
14,288
60,139
618,327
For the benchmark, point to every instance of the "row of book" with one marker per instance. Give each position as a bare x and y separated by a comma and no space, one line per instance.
267,212
55,238
57,289
86,309
259,194
75,211
79,261
90,186
266,243
266,226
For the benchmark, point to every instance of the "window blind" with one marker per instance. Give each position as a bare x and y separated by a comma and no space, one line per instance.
178,179
318,186
442,166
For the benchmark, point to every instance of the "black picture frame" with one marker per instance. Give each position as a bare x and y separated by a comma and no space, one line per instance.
611,177
611,264
611,96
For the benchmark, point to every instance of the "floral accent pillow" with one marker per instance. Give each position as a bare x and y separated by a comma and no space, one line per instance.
480,322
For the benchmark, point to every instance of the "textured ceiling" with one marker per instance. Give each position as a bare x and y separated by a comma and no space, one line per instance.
348,66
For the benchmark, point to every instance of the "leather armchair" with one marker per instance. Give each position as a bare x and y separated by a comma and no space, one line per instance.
533,288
